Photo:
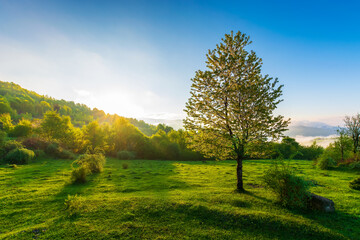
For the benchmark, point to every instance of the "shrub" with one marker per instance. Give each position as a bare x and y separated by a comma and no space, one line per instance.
65,154
291,190
125,155
20,156
21,130
325,162
78,175
74,205
35,143
11,145
56,151
53,149
125,166
355,184
39,153
355,165
94,162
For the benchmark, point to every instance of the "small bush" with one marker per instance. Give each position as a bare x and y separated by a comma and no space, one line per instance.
355,184
125,166
65,154
11,145
88,163
126,155
326,162
291,190
20,156
74,205
94,162
39,153
78,175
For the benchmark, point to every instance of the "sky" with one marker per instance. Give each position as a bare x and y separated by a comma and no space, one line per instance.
137,58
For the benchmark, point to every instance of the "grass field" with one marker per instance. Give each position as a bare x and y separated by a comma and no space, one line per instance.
168,200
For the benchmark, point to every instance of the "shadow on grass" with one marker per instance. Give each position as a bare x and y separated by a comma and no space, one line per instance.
258,226
78,188
144,176
338,222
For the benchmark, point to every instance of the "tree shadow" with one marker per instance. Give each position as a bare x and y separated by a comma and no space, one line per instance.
258,226
338,222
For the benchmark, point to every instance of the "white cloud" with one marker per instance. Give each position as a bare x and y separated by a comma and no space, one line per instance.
59,68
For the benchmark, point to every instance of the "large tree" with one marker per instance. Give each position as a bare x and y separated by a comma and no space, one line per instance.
352,125
232,103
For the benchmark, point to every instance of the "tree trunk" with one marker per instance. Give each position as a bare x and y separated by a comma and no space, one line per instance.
239,173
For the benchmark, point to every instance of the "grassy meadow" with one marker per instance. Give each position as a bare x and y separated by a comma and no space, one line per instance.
168,200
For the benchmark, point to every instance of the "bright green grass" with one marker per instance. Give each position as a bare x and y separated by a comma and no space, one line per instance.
169,200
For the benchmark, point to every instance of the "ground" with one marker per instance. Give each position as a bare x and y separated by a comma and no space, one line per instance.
168,200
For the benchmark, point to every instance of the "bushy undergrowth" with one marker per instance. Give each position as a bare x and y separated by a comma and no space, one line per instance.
325,162
20,156
87,164
35,143
355,184
125,155
56,151
355,165
291,190
94,162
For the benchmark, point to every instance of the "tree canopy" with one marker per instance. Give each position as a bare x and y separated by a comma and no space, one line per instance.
232,103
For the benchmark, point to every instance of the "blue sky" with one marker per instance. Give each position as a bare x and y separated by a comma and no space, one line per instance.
136,58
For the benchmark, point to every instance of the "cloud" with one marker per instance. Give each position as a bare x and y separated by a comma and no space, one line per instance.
125,81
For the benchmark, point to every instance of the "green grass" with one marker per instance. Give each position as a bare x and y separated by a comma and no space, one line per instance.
168,200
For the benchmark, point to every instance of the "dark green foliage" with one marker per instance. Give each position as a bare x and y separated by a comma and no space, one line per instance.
355,184
125,166
290,149
355,165
23,129
20,156
66,154
56,151
125,155
325,162
291,190
39,153
11,145
35,143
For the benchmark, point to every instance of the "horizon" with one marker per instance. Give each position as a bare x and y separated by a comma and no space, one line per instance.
136,59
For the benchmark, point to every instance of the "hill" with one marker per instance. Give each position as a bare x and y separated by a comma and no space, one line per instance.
23,103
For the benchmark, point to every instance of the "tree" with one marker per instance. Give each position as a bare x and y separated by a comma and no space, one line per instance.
343,142
232,103
352,125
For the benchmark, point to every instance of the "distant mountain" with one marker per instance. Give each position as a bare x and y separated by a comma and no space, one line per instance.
310,131
174,123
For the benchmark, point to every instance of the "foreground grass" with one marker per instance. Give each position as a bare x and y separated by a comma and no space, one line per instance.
168,200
